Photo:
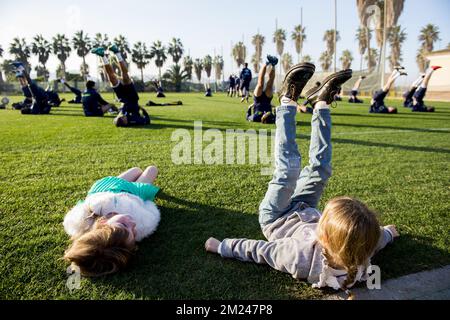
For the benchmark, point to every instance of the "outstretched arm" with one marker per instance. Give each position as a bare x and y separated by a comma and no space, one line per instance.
282,255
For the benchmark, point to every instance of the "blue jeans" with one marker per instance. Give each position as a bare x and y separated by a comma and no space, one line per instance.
289,186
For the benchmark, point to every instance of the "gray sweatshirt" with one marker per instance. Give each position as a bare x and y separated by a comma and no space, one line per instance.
292,247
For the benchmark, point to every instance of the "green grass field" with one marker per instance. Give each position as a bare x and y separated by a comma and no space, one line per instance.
398,164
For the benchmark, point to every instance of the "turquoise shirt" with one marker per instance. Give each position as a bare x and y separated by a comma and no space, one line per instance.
145,191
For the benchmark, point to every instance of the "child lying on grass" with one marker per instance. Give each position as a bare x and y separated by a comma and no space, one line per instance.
117,212
330,249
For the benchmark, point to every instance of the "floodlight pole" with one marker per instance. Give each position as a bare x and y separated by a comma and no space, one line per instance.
383,53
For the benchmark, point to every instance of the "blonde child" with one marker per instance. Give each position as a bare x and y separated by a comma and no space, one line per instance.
117,212
330,249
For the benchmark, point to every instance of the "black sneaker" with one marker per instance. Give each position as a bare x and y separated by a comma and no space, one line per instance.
296,79
329,87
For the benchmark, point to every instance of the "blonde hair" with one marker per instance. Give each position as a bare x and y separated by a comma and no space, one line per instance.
349,232
103,250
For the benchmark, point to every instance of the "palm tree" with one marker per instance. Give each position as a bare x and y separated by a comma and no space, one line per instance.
307,58
207,65
329,40
299,37
188,64
218,67
101,40
286,61
21,51
394,10
198,68
141,57
158,51
396,38
239,53
421,60
428,36
346,59
8,69
372,58
325,61
82,45
62,50
363,36
279,37
448,46
258,41
256,62
176,50
176,76
42,49
123,45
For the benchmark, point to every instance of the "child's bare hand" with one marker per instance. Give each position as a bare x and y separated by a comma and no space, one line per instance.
212,245
392,228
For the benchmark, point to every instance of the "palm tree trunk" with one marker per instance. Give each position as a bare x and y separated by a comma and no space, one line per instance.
84,68
142,75
159,73
361,63
368,50
45,73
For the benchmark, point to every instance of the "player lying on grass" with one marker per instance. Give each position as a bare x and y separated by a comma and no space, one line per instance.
261,109
159,89
36,95
117,212
414,97
75,91
377,103
131,113
354,93
332,248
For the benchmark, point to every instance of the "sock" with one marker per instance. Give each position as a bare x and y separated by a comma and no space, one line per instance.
105,60
429,71
417,82
119,57
395,75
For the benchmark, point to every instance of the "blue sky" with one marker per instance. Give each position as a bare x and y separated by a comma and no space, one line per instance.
205,26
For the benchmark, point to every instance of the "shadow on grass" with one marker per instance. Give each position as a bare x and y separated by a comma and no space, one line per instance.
382,145
172,263
390,127
388,145
412,116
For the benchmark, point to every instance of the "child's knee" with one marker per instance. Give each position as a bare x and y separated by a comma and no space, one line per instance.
136,171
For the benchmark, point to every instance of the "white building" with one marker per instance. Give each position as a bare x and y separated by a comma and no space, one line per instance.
439,86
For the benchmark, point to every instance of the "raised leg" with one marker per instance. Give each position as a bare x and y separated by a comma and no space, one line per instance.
314,177
260,85
270,82
287,167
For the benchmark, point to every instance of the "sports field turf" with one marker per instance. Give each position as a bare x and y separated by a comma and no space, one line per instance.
398,164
